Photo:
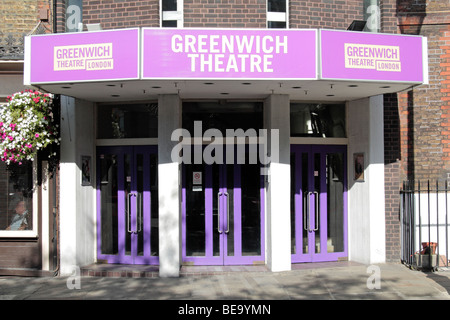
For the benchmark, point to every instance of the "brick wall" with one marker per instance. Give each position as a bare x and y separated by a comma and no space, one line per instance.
225,14
328,14
114,14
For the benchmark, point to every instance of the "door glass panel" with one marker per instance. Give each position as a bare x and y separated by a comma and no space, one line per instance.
216,207
229,224
293,193
108,195
335,202
139,202
305,188
128,202
195,212
315,203
154,233
251,209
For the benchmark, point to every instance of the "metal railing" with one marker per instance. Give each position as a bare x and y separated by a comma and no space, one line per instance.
424,216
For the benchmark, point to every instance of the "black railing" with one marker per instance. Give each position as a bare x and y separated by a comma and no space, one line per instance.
424,215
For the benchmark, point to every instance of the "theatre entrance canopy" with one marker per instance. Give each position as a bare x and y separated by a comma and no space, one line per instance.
142,63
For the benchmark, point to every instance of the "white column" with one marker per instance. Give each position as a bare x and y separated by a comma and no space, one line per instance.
77,203
169,119
278,218
366,232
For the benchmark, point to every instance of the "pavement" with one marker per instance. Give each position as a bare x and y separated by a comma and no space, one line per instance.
347,282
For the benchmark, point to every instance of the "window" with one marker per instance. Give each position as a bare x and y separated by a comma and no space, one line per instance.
277,13
16,199
127,121
318,120
171,13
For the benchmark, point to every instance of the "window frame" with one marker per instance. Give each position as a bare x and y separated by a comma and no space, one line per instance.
272,16
172,15
33,233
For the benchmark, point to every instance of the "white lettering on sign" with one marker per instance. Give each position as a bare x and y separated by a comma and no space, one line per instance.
377,57
230,53
84,57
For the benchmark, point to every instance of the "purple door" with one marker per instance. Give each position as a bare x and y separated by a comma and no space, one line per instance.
127,204
318,203
223,214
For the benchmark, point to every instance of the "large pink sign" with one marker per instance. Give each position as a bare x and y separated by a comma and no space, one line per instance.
228,54
85,56
371,56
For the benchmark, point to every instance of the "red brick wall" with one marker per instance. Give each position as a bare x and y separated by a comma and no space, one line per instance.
225,14
114,14
333,14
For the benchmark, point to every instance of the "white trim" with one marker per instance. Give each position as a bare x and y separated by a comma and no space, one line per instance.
425,60
276,16
45,233
126,142
27,61
321,141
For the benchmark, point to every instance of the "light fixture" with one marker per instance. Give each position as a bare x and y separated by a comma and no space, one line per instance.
357,25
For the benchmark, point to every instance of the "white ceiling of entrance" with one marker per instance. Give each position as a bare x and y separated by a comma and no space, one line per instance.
304,90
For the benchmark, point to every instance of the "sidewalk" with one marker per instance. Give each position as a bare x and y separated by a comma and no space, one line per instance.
347,282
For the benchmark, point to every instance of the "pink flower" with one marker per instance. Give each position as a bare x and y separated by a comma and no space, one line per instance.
37,135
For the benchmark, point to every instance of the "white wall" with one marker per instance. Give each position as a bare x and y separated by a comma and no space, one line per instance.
77,203
366,203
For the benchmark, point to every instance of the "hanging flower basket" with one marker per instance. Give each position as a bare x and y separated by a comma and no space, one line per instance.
27,126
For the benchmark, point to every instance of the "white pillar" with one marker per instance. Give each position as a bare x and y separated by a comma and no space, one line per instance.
366,199
169,119
278,214
77,203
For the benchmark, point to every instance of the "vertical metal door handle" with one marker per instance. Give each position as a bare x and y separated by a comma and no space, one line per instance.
218,212
228,212
306,213
316,207
128,205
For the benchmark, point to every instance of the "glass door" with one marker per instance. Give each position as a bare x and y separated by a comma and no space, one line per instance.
127,204
223,213
318,203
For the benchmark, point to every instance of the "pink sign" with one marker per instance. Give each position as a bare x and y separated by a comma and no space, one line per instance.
371,56
85,56
229,54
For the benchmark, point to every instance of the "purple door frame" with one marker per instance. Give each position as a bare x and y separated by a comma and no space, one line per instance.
133,227
223,198
318,197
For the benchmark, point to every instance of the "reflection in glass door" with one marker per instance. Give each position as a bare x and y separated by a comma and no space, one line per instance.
318,203
223,211
127,204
